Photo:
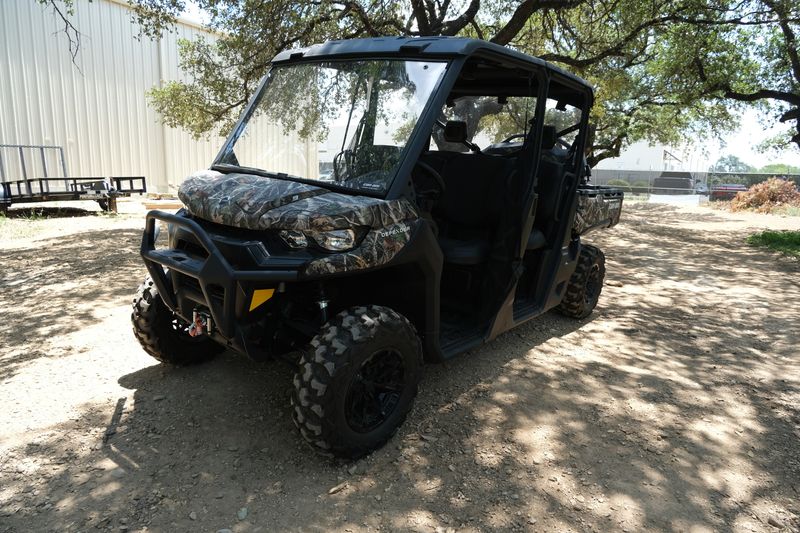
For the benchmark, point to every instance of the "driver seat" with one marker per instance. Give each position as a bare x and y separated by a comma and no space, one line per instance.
472,205
463,253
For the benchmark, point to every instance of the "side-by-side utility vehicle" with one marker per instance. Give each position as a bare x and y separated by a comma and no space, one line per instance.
380,204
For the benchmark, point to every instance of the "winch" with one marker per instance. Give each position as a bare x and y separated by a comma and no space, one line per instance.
201,324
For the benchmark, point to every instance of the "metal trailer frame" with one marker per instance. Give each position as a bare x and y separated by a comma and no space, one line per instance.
103,190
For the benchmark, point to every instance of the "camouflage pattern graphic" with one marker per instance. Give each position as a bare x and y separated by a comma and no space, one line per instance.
596,210
378,248
257,203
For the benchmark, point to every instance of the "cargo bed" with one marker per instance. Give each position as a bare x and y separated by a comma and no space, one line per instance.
598,207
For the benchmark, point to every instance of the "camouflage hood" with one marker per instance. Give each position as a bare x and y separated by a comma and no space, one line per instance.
257,202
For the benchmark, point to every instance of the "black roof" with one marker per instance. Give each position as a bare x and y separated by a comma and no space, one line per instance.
675,174
420,47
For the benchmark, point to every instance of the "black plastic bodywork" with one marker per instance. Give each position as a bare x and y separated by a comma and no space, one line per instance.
204,273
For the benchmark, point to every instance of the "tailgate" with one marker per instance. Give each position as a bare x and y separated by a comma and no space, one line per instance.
598,207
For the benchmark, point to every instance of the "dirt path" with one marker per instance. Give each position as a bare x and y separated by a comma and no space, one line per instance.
675,407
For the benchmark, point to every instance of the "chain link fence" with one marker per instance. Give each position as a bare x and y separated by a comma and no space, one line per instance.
678,182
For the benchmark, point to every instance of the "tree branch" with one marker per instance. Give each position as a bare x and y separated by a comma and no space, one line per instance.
418,8
524,12
72,33
452,27
361,15
726,91
793,114
617,50
478,30
789,38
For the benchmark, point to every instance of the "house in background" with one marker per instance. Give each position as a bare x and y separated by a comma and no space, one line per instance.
644,162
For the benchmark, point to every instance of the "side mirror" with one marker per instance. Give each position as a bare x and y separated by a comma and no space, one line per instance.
455,131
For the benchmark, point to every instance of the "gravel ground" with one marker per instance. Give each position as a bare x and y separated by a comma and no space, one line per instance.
674,407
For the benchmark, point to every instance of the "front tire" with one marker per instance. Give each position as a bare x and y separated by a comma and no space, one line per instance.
357,381
585,284
163,335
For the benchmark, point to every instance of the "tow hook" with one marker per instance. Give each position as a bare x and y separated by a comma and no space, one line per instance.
201,324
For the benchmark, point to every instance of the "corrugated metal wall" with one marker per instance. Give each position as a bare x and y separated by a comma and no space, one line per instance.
97,111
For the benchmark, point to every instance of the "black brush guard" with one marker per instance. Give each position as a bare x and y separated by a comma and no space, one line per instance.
217,280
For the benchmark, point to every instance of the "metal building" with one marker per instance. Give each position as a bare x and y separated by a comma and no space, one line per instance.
96,108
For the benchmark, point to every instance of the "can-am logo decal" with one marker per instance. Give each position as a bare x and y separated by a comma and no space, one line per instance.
396,230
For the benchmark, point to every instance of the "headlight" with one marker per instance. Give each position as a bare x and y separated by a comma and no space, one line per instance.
294,239
338,240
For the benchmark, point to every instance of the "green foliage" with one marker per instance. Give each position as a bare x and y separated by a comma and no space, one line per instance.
640,186
750,57
731,169
638,94
33,214
177,103
779,169
767,196
223,73
668,72
717,179
620,184
501,122
786,242
621,47
731,163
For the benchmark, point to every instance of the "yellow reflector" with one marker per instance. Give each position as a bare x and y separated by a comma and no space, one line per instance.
260,296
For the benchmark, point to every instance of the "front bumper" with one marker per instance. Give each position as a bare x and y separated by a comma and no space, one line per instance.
186,281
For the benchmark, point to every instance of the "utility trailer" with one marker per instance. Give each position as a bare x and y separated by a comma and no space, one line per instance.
47,188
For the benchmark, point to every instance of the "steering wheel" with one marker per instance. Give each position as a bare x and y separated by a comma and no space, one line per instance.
341,161
515,136
434,174
428,197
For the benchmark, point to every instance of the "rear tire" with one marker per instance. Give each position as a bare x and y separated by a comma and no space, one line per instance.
163,335
585,284
357,381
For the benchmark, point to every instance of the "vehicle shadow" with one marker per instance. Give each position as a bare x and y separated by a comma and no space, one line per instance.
499,440
221,434
675,407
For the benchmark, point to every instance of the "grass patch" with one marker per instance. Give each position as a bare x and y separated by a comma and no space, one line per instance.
633,197
787,242
789,210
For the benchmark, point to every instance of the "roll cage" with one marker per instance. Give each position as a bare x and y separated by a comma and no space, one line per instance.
514,74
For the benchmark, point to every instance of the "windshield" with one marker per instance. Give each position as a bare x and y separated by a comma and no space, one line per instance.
343,123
